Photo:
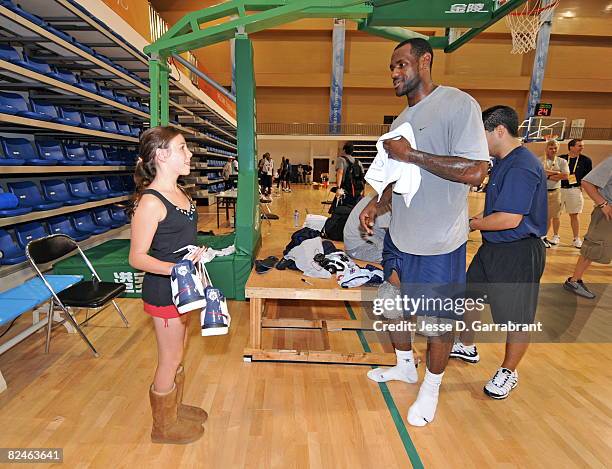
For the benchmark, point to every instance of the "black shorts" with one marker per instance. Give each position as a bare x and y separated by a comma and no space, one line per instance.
509,275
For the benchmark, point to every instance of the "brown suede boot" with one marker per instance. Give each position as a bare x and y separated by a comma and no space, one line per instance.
185,411
167,427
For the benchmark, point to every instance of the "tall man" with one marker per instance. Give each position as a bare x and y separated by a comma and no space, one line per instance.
510,262
572,199
597,245
556,170
426,242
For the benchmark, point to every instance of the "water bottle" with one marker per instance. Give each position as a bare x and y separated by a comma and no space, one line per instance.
296,218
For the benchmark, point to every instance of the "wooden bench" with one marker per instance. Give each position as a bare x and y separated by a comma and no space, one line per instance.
288,285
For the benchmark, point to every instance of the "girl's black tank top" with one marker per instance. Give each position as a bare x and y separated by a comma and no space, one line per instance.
174,232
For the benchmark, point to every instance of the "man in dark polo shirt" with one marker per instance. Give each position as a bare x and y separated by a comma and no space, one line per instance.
572,200
510,262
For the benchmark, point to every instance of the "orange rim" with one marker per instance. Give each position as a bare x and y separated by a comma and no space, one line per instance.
535,11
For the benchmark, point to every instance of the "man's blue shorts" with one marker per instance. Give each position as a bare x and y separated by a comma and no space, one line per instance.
436,276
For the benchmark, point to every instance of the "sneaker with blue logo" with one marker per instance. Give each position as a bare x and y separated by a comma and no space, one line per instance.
215,318
187,288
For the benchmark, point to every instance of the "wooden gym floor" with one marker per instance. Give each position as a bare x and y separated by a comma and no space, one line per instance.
283,415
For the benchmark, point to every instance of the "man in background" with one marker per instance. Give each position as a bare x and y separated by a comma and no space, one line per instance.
572,200
363,246
556,170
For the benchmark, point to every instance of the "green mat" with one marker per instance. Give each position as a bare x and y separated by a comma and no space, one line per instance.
110,259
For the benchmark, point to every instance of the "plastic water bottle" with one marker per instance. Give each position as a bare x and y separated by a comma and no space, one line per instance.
296,218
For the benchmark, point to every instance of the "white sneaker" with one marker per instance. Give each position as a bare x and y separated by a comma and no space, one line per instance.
501,384
554,240
577,243
467,353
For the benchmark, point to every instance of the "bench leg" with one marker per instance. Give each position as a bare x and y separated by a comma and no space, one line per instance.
2,383
256,310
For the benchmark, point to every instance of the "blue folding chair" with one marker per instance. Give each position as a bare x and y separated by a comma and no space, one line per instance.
79,188
56,190
63,225
83,222
29,195
12,253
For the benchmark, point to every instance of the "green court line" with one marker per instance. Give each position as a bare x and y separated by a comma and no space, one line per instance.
411,451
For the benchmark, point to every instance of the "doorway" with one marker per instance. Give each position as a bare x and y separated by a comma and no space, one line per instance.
320,165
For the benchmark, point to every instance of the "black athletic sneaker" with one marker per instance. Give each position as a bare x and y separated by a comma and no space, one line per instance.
467,353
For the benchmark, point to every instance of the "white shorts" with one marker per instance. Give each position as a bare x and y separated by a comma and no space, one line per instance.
572,200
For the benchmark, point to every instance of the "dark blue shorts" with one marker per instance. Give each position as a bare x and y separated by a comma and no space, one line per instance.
437,276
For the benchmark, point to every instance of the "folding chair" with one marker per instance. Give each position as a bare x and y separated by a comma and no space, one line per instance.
92,293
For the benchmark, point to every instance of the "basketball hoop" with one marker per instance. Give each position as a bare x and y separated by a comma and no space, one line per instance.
525,23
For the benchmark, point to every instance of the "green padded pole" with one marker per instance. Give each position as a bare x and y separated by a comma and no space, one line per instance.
154,80
248,232
164,108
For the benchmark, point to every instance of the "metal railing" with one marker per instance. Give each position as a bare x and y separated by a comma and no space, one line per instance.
310,128
375,130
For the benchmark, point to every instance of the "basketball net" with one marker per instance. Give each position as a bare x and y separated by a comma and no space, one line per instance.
525,23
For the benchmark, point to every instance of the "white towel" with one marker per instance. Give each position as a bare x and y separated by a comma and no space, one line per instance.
384,170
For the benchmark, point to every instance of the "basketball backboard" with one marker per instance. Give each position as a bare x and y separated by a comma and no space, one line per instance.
539,129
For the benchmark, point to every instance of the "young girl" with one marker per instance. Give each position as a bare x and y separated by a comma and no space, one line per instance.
165,220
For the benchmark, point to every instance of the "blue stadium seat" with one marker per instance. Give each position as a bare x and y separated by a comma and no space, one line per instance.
79,188
76,152
56,190
115,183
88,85
52,150
11,55
107,92
102,217
30,231
91,121
66,76
14,210
8,160
72,115
11,252
99,186
39,66
128,183
29,195
123,128
83,222
118,213
21,12
123,99
109,125
63,225
49,110
13,103
135,131
22,149
96,154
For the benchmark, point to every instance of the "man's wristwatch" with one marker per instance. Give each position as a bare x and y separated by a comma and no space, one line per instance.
603,204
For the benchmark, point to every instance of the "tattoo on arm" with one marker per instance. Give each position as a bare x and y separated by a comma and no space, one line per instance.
452,168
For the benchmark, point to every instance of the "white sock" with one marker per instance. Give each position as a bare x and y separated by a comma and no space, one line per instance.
423,410
405,370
